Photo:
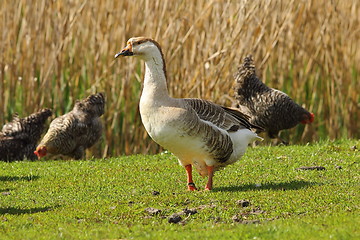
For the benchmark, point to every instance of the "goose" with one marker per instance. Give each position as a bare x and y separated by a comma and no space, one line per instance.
198,132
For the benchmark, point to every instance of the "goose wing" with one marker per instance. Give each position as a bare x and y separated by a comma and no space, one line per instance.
228,119
242,117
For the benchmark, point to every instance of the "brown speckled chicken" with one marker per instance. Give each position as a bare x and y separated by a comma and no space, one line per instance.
269,108
18,138
79,129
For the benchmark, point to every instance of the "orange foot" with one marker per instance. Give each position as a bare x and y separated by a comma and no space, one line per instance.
191,186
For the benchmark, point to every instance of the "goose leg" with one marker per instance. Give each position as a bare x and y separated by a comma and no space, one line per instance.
210,177
191,184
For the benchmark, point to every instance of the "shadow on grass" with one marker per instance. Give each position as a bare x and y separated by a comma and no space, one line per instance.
19,211
16,178
283,186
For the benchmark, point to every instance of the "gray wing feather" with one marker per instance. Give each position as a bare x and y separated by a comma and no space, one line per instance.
222,117
217,142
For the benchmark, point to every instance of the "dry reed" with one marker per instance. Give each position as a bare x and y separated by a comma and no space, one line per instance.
54,52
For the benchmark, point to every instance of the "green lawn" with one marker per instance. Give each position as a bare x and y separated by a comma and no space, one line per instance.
107,198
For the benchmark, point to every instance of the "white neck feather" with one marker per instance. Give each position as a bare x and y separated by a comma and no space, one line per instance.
155,87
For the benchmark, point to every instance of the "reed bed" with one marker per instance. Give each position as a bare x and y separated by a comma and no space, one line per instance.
54,52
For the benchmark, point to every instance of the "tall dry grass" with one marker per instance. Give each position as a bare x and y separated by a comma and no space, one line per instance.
54,52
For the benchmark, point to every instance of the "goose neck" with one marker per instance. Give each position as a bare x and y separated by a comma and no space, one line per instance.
155,78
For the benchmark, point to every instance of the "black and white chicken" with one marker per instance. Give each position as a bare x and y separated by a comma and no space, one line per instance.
268,108
72,133
18,138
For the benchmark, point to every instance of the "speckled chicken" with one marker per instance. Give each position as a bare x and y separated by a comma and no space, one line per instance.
269,108
71,134
18,138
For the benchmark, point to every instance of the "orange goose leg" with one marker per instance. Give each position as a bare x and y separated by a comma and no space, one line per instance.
191,184
210,177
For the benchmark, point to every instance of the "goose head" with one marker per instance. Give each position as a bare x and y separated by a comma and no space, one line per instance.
145,48
140,46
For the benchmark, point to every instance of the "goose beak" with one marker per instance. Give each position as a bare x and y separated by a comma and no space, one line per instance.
127,51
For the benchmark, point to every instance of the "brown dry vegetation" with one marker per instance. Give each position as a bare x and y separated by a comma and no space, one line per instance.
54,52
